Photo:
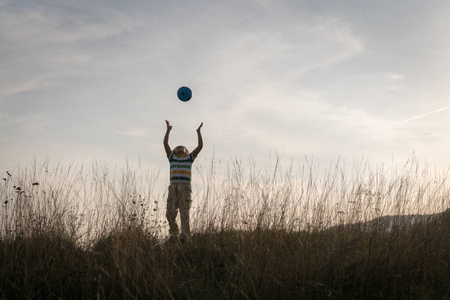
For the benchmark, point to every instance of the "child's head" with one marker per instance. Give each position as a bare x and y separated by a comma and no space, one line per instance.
180,151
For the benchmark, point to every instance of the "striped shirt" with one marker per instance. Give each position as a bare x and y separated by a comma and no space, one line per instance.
180,167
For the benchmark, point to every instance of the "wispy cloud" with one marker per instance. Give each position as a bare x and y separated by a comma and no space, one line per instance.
395,76
41,44
427,114
293,75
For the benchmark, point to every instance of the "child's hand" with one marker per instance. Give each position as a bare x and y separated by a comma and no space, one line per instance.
169,127
198,129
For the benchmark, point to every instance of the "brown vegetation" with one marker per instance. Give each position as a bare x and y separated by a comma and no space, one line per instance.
272,235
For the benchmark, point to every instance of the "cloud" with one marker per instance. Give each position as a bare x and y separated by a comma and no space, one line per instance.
13,86
43,24
275,74
395,77
136,132
43,44
271,61
426,114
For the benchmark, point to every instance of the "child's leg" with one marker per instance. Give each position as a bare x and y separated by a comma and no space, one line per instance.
185,205
172,210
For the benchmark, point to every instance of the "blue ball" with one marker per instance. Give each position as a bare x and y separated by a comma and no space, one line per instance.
184,93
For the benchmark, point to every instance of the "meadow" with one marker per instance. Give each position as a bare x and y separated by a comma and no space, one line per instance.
271,232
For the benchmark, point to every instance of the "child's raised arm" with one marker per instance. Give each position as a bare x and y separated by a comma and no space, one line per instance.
200,141
166,139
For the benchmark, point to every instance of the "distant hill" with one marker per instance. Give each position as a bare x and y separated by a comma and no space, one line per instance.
388,223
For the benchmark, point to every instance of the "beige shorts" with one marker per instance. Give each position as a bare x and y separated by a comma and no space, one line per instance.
179,199
179,191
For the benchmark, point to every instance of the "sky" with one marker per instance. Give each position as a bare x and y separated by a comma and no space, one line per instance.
84,81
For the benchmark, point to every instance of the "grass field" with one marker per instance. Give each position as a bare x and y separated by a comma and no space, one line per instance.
258,233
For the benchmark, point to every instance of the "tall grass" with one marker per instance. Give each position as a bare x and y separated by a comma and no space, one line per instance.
247,197
258,232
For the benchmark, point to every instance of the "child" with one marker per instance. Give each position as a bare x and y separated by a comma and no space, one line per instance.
179,197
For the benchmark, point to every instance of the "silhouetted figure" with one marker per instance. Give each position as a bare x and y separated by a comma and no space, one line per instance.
179,197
